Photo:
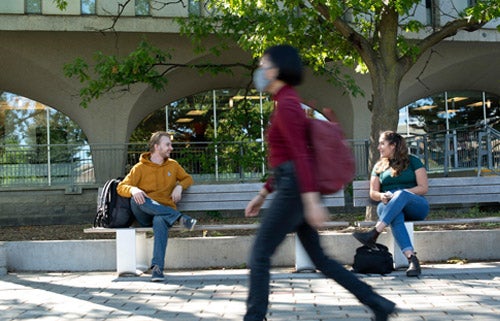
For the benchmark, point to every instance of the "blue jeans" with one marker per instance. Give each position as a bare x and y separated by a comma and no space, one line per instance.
286,215
161,217
404,206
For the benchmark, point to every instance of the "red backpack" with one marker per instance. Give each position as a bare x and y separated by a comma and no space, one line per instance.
334,162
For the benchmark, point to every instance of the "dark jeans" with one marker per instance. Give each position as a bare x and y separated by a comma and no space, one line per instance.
286,215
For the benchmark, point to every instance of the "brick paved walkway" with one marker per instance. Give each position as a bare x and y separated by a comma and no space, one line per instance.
443,292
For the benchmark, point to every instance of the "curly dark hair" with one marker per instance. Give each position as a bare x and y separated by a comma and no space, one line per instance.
400,160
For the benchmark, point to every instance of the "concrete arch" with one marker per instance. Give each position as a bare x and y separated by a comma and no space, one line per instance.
315,90
455,69
43,92
184,82
33,67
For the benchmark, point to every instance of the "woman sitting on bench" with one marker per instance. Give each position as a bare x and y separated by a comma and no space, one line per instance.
398,182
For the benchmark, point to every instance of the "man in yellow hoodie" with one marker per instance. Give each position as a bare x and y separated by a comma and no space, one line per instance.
155,185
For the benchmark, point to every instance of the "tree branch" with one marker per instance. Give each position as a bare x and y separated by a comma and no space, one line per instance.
121,8
207,66
449,30
358,42
163,4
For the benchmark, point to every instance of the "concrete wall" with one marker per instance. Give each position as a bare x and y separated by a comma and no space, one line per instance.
58,205
219,252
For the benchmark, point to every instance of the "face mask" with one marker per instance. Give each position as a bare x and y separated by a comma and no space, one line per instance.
259,79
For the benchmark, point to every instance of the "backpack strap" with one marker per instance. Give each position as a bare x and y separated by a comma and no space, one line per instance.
103,196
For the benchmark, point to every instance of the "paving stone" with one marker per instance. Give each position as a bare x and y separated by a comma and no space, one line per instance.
445,292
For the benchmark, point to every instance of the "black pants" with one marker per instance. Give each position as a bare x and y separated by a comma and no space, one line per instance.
284,216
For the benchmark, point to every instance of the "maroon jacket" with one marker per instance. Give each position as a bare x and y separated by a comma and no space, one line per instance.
287,138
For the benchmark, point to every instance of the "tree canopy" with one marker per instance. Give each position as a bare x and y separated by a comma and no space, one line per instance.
379,37
383,38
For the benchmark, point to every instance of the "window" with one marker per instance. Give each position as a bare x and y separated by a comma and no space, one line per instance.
33,6
88,7
194,7
40,145
217,135
142,8
450,110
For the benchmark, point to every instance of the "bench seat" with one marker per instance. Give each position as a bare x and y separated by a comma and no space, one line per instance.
131,257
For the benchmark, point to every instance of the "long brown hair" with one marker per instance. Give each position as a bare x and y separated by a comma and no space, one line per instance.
400,160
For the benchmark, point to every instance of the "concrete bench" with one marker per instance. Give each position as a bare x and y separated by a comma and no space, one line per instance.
131,256
442,191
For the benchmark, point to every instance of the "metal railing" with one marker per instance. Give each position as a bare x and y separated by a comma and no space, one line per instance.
489,151
460,149
68,165
44,165
213,162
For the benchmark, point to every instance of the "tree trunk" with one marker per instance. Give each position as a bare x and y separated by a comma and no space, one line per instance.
385,116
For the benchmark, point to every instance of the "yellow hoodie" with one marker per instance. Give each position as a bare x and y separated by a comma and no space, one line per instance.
157,181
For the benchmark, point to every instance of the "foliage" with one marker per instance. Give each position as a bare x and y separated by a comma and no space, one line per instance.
371,36
237,142
144,65
382,38
355,33
378,37
61,4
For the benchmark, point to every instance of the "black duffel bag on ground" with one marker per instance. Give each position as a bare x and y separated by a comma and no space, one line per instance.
373,260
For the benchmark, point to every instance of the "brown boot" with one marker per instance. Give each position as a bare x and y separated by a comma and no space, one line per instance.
414,268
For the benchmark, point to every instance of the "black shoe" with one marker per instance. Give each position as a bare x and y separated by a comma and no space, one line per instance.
414,268
367,238
381,307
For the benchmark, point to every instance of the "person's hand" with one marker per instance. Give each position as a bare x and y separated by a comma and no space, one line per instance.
314,211
253,207
386,197
316,215
138,195
177,194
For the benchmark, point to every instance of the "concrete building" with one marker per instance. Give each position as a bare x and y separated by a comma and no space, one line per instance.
36,40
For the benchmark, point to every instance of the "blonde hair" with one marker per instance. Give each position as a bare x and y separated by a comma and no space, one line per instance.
155,139
400,160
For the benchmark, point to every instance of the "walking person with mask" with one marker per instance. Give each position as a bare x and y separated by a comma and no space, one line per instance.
296,206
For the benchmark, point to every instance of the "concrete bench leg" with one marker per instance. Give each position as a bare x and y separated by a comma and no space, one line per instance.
143,259
125,252
3,260
131,257
400,261
302,261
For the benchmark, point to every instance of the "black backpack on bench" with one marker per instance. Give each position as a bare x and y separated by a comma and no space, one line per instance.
113,210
